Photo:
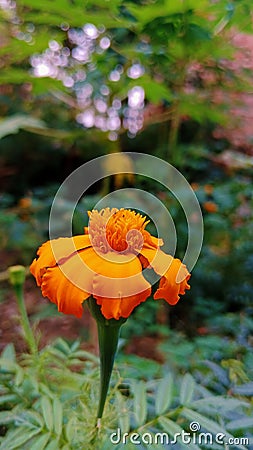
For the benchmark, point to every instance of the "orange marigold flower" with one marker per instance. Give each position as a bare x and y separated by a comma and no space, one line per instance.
25,203
208,188
195,186
210,207
107,263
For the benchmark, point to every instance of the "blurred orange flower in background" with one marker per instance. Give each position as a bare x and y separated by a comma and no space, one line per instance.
210,207
107,263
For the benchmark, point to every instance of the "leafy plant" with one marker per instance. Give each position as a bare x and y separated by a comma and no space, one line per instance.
49,401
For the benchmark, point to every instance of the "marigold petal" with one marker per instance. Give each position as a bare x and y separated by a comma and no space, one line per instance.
87,273
113,308
118,278
54,250
115,282
155,258
174,274
169,289
61,291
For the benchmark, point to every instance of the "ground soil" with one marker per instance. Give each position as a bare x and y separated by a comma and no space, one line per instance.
58,325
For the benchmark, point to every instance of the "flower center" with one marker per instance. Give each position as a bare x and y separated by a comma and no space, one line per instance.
119,230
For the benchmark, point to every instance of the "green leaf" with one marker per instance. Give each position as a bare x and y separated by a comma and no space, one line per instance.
33,418
19,376
123,413
244,389
75,345
13,75
62,345
46,390
12,125
240,424
57,414
187,389
155,92
18,438
6,417
173,429
147,13
7,366
209,425
164,394
53,445
86,355
124,422
9,352
47,411
215,403
40,442
140,402
8,398
70,429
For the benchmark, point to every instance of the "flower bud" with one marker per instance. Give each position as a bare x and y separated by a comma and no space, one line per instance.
17,275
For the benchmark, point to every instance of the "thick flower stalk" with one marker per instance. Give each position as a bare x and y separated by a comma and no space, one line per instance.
106,267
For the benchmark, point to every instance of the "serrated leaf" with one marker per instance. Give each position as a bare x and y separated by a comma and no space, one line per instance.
41,442
47,412
140,402
176,432
187,389
58,415
164,394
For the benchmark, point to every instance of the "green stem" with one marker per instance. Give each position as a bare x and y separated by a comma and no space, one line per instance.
108,337
28,333
17,276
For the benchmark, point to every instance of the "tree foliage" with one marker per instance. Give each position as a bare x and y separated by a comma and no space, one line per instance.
178,54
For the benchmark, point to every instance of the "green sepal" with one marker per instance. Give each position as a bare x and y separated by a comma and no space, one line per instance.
108,337
96,313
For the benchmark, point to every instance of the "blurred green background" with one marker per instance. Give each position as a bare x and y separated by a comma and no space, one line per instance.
174,82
